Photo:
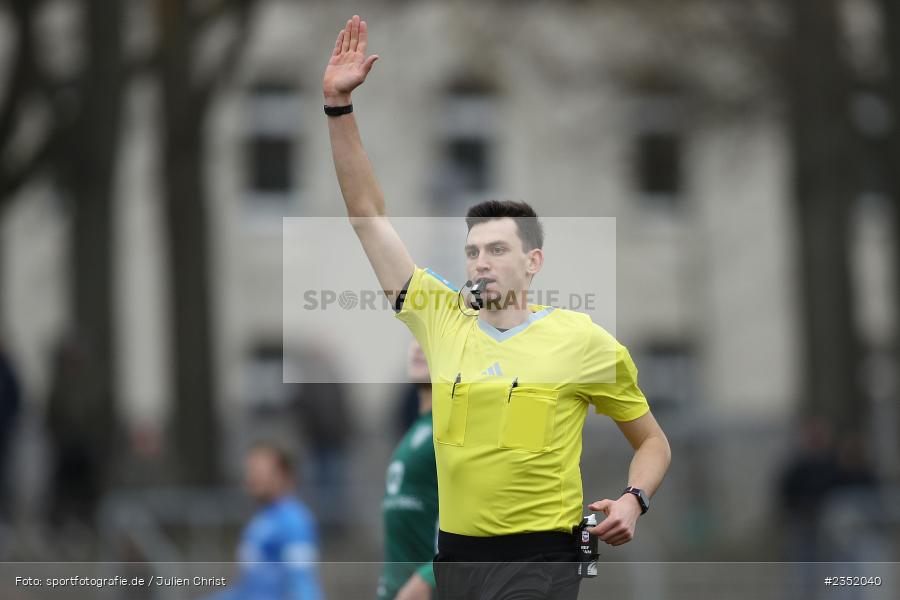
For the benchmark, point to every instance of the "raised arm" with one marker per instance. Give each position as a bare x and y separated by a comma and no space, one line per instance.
346,70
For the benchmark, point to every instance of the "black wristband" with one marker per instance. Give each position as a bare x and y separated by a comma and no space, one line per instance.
336,111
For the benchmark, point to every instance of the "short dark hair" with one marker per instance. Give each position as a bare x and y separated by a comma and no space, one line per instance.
531,232
283,458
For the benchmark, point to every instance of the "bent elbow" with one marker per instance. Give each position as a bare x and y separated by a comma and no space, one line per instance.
667,449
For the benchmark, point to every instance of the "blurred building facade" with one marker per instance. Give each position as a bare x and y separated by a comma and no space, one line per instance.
459,109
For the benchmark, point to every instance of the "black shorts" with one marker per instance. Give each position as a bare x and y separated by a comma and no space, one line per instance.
525,566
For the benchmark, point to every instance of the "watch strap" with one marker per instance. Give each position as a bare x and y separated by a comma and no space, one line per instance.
641,497
336,111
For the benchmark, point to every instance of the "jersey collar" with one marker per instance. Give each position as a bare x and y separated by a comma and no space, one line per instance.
502,336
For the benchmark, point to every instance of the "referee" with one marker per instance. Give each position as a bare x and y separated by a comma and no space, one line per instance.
511,384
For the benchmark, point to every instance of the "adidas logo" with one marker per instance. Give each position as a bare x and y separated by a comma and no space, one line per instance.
493,370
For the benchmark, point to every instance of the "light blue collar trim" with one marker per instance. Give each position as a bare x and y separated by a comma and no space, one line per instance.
502,336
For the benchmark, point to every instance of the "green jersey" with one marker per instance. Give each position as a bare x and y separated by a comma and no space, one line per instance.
410,510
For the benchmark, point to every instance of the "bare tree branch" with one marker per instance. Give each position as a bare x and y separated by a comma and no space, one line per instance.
25,72
22,66
216,9
241,12
144,64
12,182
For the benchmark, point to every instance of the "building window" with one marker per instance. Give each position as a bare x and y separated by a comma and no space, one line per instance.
273,147
874,121
465,161
271,164
668,374
659,164
659,151
265,388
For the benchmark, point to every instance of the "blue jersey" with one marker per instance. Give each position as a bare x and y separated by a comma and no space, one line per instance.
278,555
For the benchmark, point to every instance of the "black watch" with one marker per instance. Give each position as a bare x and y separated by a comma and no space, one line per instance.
641,497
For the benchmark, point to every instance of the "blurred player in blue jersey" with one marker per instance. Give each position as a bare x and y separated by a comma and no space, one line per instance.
279,549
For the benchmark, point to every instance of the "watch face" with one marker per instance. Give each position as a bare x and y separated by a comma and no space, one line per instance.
642,498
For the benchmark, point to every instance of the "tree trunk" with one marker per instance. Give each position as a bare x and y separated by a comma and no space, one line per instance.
195,422
818,87
891,21
87,167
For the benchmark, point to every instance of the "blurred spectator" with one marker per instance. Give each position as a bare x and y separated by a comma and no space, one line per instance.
10,405
803,489
279,547
325,423
79,437
407,409
855,513
144,464
855,471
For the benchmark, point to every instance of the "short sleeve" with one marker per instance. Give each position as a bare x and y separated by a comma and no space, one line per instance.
426,572
609,379
298,558
299,542
429,306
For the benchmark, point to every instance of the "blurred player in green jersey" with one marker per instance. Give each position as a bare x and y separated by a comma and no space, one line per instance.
410,505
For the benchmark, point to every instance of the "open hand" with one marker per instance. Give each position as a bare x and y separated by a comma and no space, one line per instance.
348,66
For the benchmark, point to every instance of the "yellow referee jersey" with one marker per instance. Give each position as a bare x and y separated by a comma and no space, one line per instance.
509,408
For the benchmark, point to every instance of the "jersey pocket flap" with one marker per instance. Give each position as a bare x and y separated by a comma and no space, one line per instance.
528,419
450,411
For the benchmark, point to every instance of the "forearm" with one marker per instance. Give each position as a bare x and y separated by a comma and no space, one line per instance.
362,194
650,463
652,456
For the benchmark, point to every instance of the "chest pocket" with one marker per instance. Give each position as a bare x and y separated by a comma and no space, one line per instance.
528,419
450,410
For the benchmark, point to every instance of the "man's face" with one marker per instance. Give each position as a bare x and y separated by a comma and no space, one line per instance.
494,251
263,477
417,365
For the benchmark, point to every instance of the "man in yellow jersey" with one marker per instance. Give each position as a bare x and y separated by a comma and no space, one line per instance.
511,383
